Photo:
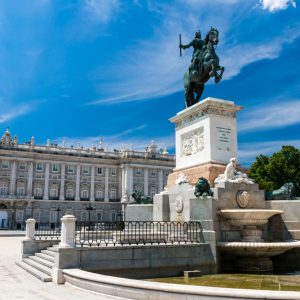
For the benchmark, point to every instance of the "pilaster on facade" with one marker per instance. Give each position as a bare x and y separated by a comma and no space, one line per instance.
106,187
30,179
146,179
62,182
13,177
77,187
160,181
92,193
46,186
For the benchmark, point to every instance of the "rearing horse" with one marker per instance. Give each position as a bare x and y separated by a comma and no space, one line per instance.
206,65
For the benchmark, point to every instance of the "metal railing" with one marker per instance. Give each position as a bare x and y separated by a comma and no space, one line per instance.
136,233
47,231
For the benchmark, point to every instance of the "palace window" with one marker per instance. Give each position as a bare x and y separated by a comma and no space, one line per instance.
84,194
38,191
69,193
83,216
113,193
39,166
153,173
53,193
21,190
54,167
138,171
22,166
113,172
70,169
153,191
85,170
99,171
99,216
113,216
99,193
3,188
5,164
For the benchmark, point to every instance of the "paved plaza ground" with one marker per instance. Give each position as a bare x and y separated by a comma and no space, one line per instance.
16,283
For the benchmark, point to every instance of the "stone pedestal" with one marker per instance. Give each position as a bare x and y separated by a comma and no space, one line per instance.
206,139
67,232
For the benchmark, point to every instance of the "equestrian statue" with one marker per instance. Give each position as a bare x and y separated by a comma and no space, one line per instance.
204,64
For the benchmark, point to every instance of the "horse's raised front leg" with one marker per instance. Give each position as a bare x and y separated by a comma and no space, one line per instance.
218,77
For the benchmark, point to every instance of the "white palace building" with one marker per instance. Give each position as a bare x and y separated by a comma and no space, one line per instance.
46,182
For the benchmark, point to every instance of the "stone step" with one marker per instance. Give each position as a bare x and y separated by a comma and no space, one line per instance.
45,256
53,249
295,234
42,261
37,265
292,225
35,272
49,252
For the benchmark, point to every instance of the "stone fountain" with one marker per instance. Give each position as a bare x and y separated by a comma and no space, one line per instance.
241,229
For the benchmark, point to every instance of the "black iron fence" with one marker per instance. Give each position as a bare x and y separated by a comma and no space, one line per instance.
136,232
47,231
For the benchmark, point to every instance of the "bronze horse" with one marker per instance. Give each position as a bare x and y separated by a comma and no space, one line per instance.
205,66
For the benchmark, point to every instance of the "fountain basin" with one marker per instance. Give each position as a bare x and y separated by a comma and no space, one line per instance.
253,249
248,217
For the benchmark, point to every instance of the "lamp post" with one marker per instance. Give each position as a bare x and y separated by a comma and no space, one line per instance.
89,208
57,216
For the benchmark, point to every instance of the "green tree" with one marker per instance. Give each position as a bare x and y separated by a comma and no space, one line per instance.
274,171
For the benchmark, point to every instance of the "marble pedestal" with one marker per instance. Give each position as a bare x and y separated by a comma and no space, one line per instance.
206,139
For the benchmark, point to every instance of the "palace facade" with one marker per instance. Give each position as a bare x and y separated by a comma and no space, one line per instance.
47,182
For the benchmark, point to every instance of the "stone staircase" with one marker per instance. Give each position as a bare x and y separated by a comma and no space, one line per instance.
293,228
40,264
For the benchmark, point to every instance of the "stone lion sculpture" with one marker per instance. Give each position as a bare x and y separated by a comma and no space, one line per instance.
140,198
202,188
286,192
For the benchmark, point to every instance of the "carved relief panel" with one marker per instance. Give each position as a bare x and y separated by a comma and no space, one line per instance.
192,142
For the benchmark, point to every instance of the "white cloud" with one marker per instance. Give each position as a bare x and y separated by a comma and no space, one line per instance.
271,116
248,151
15,112
153,68
276,5
103,10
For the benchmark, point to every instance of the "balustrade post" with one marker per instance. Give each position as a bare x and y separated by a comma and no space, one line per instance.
30,229
67,232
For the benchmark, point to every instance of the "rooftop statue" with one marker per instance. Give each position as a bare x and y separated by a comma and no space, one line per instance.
204,64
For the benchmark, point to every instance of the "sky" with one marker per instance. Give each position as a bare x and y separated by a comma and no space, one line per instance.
86,70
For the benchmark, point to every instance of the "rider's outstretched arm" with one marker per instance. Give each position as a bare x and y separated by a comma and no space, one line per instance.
187,45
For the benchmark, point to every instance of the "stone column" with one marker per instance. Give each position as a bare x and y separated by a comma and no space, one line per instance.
67,232
130,181
160,181
77,188
62,182
30,230
13,177
30,179
106,196
46,187
146,181
92,193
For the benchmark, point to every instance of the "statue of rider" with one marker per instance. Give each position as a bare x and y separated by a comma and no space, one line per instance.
197,44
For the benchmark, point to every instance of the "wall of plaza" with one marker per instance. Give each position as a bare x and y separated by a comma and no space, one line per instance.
46,182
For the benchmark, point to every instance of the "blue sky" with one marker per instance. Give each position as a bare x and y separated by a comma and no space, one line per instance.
81,70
